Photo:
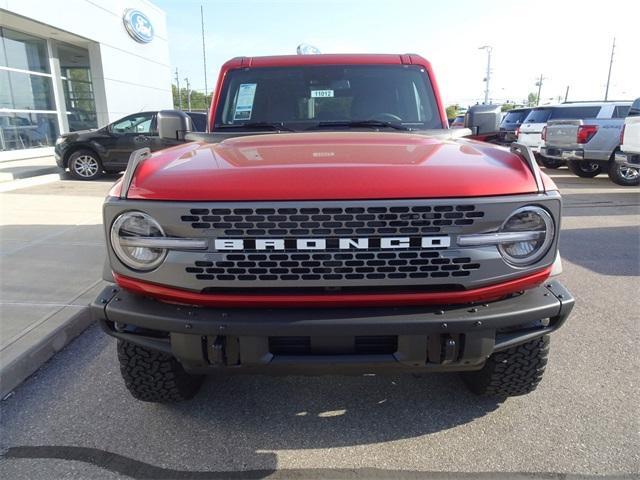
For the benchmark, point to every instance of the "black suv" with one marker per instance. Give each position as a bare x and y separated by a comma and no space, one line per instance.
89,153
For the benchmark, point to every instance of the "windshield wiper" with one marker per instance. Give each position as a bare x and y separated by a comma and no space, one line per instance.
361,124
276,126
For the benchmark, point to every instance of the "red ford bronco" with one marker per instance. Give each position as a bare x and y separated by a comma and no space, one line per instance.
330,222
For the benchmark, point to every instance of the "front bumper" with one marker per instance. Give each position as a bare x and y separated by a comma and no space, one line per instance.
320,340
562,153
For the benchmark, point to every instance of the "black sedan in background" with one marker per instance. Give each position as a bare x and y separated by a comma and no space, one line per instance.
88,154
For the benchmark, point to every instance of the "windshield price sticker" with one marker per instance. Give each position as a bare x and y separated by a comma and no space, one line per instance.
321,93
244,105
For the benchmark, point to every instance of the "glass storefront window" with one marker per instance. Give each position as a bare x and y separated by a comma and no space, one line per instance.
27,130
24,91
78,88
29,115
22,51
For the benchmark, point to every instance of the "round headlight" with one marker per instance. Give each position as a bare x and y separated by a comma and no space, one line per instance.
128,226
531,220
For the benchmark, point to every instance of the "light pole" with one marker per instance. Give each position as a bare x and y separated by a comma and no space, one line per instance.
178,86
204,55
613,49
539,85
186,80
489,49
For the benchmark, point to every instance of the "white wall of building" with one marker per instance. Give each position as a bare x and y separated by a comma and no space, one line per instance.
128,76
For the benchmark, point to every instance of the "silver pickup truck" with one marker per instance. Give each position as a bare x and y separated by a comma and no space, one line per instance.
589,145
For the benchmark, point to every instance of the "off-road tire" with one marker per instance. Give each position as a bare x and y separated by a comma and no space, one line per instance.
153,376
553,163
84,165
583,168
512,372
618,178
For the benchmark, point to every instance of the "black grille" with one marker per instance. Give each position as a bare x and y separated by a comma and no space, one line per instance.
378,265
333,221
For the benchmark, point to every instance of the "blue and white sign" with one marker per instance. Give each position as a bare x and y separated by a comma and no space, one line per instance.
138,25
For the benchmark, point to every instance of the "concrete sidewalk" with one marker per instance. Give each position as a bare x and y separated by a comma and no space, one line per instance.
51,257
30,167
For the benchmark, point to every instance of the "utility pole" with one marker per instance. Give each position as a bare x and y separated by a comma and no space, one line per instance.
539,85
186,80
204,56
179,93
487,79
613,48
566,94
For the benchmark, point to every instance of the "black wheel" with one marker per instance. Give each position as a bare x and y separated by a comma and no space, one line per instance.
513,372
584,169
153,376
85,165
624,174
551,162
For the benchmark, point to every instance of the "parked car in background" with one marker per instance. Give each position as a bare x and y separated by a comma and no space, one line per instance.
198,120
458,122
510,124
587,137
529,133
629,155
89,153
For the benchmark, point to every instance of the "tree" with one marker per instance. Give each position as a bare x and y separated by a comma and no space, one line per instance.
508,106
199,101
452,111
532,100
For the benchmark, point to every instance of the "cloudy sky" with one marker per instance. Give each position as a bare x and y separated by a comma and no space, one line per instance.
567,41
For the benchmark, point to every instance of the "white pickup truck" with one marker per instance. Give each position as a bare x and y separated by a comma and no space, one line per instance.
629,156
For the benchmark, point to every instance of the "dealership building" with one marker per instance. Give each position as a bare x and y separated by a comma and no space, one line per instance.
76,65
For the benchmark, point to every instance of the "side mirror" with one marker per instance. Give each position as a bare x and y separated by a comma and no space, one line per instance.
173,124
482,119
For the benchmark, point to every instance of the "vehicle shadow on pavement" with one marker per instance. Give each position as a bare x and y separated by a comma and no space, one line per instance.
106,177
233,428
586,246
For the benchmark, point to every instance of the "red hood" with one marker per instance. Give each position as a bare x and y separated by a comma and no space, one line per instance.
331,166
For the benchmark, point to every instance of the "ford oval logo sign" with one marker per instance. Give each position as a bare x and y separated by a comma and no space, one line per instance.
138,25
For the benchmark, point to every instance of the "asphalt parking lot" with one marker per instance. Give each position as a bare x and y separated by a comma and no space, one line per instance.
75,419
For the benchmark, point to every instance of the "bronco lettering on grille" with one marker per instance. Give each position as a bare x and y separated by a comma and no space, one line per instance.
235,244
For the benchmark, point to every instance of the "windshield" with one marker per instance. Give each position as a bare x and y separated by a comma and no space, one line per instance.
306,97
514,118
574,113
538,115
